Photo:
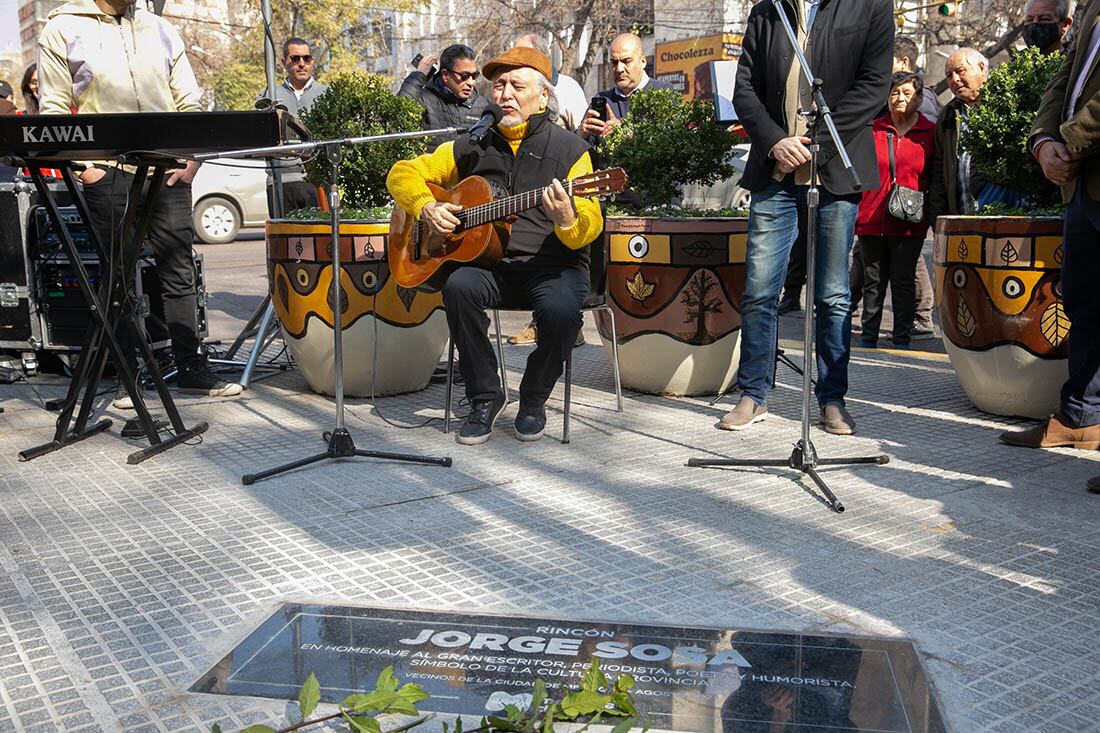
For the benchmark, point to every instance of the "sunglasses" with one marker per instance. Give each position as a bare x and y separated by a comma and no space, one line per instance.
296,58
464,75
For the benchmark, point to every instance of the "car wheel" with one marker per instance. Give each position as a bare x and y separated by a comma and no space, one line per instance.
741,199
216,220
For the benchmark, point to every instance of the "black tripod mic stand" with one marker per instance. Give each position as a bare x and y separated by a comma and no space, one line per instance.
804,457
340,442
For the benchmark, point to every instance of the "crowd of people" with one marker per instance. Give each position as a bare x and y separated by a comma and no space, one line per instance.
897,134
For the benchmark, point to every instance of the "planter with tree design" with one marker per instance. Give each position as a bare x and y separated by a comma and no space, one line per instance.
676,286
675,279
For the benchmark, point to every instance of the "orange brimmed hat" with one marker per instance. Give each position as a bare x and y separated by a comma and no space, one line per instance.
517,58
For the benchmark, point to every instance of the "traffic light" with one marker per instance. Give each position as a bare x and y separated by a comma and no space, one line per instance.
947,10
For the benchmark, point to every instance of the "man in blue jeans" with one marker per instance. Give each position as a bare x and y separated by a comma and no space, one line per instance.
850,43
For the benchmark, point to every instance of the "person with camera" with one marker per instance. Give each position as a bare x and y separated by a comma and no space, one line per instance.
891,222
448,96
608,108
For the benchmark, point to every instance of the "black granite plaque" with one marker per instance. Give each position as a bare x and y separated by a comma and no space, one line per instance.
688,679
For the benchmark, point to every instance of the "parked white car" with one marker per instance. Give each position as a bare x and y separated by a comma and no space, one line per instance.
726,194
227,195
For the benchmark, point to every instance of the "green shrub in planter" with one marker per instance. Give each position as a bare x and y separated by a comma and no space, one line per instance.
355,105
667,141
998,127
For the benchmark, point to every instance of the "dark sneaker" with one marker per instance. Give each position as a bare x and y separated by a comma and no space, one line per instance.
868,344
580,340
836,419
479,423
530,422
122,400
1094,484
198,379
922,333
745,415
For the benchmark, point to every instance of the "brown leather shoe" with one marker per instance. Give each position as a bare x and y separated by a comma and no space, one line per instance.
1094,484
745,415
836,419
1056,432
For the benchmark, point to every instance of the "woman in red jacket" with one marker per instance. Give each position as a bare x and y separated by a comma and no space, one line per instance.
891,246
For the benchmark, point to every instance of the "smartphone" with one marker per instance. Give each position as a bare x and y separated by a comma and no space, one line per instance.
416,60
600,105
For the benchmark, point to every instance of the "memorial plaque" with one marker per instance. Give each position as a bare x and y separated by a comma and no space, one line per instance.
688,679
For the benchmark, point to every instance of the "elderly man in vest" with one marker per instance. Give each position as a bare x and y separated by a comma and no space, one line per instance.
545,263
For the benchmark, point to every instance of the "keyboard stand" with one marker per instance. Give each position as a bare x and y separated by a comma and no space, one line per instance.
112,307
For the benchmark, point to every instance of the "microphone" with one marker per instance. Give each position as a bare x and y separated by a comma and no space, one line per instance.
491,116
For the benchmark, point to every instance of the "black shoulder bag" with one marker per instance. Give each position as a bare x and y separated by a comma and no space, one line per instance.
904,204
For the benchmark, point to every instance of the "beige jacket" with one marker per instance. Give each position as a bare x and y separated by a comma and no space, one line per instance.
93,63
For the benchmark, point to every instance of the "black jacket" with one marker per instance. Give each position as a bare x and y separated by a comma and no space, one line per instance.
620,105
548,152
851,47
943,194
441,108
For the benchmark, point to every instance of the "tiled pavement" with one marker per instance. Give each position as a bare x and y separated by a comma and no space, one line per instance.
122,584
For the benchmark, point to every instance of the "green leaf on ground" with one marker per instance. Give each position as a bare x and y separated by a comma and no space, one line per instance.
362,724
406,699
309,696
584,702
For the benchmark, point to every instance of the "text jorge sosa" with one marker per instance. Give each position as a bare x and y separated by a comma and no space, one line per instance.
565,647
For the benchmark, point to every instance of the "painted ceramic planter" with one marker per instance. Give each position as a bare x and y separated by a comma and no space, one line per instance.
676,287
406,339
999,299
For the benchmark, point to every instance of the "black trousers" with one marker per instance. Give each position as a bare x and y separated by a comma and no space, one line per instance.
296,195
1081,299
889,261
923,318
170,235
554,294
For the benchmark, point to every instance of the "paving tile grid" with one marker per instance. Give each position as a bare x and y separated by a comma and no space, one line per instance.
122,584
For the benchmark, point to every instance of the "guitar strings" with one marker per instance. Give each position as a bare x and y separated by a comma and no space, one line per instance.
504,207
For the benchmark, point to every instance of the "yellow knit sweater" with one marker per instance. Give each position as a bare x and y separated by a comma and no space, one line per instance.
406,183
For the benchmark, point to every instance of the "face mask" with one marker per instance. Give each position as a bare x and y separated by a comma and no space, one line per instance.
1042,35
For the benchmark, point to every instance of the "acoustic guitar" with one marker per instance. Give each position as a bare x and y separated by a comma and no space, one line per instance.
421,260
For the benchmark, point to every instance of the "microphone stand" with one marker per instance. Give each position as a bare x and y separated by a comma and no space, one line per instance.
340,442
804,457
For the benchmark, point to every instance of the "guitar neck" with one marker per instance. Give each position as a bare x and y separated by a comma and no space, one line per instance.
498,209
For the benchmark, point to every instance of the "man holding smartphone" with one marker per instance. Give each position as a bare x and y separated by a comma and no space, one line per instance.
608,108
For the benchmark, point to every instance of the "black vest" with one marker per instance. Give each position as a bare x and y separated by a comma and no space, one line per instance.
548,152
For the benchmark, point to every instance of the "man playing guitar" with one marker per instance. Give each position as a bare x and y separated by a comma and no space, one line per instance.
545,261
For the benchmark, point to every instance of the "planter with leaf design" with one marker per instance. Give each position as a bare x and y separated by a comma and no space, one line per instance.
999,300
401,331
675,286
